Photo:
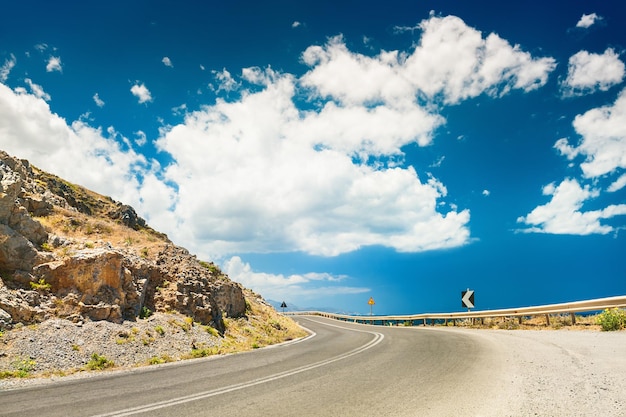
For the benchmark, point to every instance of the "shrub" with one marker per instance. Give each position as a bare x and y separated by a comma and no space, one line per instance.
159,330
612,319
157,360
145,312
201,353
22,367
40,285
99,362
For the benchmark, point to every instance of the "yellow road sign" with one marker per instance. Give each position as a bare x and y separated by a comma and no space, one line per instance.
371,301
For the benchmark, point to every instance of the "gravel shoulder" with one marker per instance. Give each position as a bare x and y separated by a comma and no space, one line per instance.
557,373
58,347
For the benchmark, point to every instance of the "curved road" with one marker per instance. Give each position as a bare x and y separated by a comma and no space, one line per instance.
343,369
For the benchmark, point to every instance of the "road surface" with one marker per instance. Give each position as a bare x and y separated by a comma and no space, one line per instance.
347,369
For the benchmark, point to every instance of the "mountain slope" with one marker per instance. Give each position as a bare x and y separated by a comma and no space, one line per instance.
75,258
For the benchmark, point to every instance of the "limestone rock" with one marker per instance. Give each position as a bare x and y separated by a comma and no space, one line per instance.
78,280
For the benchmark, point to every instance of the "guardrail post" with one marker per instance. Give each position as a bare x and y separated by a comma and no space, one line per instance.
520,319
573,316
547,319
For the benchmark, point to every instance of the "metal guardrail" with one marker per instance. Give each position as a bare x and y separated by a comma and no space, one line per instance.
572,308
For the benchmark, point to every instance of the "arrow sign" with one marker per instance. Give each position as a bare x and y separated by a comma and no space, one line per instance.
467,298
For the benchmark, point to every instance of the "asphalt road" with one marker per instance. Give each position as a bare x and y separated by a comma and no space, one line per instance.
344,369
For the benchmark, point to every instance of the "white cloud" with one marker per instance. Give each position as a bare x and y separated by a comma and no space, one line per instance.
564,215
297,288
225,81
296,24
54,64
141,92
324,180
76,152
6,68
455,60
451,62
486,193
618,184
99,102
285,180
587,20
167,62
140,138
603,143
37,90
589,72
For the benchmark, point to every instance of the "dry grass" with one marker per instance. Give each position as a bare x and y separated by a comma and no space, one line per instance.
263,326
91,232
557,322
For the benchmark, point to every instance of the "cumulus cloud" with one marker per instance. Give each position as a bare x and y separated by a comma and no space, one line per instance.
141,92
296,24
486,193
325,179
167,62
587,20
603,143
564,215
6,68
54,64
603,147
76,151
297,287
99,102
452,62
286,180
588,72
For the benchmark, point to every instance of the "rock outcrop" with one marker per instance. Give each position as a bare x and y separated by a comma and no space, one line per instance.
51,267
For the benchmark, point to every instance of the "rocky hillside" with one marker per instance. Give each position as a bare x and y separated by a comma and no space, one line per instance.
71,256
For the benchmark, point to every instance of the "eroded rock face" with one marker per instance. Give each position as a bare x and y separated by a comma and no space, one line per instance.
19,232
96,283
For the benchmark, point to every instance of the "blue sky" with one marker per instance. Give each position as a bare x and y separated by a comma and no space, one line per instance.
327,152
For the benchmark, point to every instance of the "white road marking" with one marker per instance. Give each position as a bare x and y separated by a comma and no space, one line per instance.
206,394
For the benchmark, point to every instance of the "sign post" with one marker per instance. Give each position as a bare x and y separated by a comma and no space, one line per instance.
283,306
467,299
371,303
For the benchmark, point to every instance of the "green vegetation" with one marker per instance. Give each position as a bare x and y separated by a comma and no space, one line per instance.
23,368
212,330
145,312
159,330
201,353
211,267
46,247
157,360
612,319
40,285
99,362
